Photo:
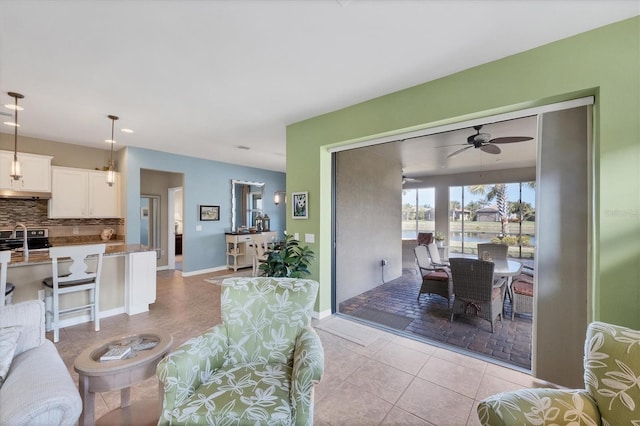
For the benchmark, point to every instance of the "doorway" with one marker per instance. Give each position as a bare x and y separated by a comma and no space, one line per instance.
176,228
564,155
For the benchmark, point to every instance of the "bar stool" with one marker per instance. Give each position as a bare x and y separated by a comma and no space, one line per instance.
5,288
78,279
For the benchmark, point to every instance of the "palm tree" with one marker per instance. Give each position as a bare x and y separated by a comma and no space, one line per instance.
499,193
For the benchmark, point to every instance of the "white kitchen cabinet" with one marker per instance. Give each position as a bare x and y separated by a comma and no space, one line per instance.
80,193
36,172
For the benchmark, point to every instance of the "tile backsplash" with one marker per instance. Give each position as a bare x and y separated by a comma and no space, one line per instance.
33,213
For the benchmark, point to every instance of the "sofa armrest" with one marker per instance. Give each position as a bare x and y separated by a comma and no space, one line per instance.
29,315
539,406
308,368
39,390
183,370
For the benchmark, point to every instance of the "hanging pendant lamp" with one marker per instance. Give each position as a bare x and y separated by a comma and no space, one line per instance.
111,174
16,172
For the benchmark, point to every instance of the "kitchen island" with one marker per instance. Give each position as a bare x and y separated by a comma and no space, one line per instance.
127,282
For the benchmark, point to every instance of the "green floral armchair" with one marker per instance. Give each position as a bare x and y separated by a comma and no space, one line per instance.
257,367
611,397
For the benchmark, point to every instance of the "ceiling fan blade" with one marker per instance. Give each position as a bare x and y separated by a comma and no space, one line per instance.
447,146
511,139
490,149
459,151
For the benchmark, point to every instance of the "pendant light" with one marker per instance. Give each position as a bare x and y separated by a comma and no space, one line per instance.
111,174
15,164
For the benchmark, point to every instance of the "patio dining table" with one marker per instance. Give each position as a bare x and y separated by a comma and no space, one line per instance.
507,269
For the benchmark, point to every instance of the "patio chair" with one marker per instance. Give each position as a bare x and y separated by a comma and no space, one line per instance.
522,288
492,251
434,254
424,238
474,289
435,280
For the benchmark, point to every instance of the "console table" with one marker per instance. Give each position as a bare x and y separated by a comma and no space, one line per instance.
240,251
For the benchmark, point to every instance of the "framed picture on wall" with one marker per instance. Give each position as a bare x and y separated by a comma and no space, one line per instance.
209,212
300,205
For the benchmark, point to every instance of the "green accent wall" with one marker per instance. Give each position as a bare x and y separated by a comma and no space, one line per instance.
604,62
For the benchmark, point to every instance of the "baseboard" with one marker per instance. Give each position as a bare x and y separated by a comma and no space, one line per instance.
321,315
204,271
162,268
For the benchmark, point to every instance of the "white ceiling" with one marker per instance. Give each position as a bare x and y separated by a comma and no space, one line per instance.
201,78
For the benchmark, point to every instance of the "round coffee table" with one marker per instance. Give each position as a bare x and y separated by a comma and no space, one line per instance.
139,365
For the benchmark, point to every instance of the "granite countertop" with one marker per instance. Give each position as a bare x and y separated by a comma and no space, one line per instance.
112,249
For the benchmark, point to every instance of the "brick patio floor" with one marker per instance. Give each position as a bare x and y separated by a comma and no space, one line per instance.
510,342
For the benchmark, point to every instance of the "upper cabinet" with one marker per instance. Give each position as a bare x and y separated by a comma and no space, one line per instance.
81,193
36,172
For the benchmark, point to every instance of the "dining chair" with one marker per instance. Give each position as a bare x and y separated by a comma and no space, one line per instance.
435,280
435,255
474,289
492,251
522,288
76,277
260,254
424,238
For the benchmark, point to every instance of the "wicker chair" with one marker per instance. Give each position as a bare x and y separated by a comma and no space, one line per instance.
434,280
522,288
475,291
492,251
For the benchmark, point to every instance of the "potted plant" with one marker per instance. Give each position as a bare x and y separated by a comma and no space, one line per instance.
439,237
289,259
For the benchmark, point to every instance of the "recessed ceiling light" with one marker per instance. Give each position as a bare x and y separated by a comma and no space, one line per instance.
243,147
126,130
13,107
110,141
11,123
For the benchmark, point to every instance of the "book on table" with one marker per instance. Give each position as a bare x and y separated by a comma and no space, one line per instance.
116,353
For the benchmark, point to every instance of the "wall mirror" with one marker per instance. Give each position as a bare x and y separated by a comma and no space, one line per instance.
246,203
150,221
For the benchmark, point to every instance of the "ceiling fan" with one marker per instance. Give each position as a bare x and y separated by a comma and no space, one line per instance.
485,143
408,179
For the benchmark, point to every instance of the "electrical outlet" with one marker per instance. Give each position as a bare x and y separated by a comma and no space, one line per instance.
383,262
76,231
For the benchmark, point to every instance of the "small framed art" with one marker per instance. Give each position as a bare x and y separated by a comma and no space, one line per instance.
300,205
209,212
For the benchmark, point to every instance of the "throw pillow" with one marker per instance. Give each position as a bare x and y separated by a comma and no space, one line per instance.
8,342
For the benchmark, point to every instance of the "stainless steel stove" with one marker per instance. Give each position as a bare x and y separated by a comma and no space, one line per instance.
37,239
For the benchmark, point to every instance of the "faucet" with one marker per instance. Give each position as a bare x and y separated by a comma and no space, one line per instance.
25,246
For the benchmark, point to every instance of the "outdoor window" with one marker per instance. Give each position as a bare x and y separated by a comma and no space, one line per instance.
418,212
500,213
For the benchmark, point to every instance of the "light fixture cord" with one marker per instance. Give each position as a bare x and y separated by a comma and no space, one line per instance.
15,131
113,121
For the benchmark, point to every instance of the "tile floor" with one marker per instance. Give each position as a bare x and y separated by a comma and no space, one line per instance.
390,380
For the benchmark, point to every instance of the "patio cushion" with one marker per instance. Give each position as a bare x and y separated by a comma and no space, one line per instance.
437,276
523,277
523,287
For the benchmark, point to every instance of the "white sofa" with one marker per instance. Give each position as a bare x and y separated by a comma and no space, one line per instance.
38,389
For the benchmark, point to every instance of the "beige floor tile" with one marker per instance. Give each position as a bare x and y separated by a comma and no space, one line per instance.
351,405
473,419
461,359
435,404
491,385
415,344
458,378
399,417
381,379
402,358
